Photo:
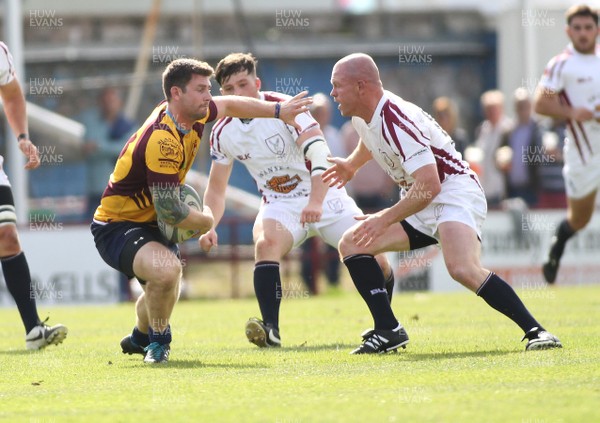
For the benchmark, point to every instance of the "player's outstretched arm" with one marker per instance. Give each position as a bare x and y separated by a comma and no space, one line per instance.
246,107
214,199
16,113
343,170
170,209
547,102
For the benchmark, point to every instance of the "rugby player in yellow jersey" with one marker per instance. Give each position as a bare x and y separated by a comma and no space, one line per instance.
145,185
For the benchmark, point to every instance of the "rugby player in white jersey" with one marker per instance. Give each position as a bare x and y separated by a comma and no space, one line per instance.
570,89
15,267
441,201
286,164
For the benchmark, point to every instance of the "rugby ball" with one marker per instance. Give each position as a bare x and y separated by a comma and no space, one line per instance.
189,196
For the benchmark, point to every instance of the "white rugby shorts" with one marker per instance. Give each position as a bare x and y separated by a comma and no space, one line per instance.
3,178
339,210
580,179
461,200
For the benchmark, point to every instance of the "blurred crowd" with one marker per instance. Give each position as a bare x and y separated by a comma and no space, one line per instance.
518,159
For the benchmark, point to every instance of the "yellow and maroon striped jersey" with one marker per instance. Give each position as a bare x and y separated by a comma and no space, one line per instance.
159,153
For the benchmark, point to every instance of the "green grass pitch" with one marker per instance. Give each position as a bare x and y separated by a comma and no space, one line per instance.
464,363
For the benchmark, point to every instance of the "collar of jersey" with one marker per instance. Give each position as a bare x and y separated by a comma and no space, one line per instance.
179,128
374,119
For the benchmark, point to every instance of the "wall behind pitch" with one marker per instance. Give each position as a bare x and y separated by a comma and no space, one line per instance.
65,266
514,246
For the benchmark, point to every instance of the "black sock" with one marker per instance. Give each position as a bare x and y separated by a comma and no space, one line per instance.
18,282
163,338
563,233
140,338
369,281
500,296
389,286
267,287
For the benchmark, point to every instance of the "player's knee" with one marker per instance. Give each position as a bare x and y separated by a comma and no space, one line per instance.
346,246
9,241
265,245
460,272
167,275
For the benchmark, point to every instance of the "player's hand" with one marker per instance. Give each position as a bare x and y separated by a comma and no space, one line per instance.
31,152
294,106
311,213
208,240
372,227
339,174
581,114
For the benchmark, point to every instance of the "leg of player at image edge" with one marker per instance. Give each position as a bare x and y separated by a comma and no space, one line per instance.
18,281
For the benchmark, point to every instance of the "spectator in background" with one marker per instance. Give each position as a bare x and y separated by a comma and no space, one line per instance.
445,113
520,154
106,132
552,184
312,254
371,187
488,139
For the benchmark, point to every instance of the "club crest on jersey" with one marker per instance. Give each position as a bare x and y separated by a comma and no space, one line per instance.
170,149
276,144
284,184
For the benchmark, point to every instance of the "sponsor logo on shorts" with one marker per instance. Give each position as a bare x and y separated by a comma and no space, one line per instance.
336,205
437,211
131,230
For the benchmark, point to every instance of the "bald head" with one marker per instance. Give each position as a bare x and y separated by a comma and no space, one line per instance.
358,67
356,85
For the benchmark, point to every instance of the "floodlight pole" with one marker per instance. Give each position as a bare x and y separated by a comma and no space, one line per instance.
13,36
141,65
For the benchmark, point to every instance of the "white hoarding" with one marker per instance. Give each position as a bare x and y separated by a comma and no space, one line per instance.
65,266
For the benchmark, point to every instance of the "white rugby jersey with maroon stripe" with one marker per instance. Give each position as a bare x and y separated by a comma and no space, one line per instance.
403,138
576,79
267,147
7,75
7,69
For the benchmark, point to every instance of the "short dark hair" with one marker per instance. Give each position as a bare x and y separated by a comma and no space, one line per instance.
581,10
179,72
234,63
